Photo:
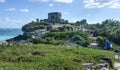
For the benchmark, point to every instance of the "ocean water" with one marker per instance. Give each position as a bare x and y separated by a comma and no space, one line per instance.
7,33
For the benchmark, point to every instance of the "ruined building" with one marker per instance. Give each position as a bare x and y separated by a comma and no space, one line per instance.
55,22
54,17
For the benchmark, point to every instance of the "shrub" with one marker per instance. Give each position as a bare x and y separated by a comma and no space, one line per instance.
18,38
78,40
54,30
37,40
48,40
101,41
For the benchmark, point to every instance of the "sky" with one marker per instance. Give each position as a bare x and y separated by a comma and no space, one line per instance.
16,13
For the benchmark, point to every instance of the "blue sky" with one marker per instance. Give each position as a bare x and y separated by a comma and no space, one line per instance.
16,13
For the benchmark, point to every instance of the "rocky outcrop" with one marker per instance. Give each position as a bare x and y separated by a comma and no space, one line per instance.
104,64
35,34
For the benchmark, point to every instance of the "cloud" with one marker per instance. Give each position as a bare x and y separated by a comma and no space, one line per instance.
32,19
21,10
73,20
115,5
10,9
58,1
63,1
51,5
24,10
100,3
2,1
8,22
7,19
66,13
38,0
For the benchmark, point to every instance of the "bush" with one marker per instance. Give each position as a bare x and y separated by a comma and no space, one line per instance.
18,38
59,35
78,40
34,25
54,30
37,40
101,41
79,37
48,40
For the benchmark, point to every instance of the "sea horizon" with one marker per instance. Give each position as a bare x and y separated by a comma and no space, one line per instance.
8,33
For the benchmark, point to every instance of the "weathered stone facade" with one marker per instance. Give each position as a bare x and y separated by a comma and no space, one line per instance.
36,33
54,18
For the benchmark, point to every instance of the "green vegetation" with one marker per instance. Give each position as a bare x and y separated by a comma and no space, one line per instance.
18,38
101,41
109,28
46,41
55,55
116,48
82,22
56,36
78,39
48,57
34,25
60,38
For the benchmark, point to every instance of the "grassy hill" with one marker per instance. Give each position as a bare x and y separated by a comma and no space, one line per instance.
48,57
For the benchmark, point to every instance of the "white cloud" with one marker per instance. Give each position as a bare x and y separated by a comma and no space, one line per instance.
7,19
38,0
66,13
74,19
24,10
8,22
51,5
2,1
115,5
63,1
100,3
32,19
58,1
10,9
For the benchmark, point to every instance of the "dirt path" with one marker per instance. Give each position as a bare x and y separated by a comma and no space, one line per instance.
117,64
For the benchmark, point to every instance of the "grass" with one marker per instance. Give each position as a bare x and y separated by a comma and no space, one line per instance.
115,46
48,57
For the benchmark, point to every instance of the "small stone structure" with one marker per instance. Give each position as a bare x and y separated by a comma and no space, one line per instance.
54,18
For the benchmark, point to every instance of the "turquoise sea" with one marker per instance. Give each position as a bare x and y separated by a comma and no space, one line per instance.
7,33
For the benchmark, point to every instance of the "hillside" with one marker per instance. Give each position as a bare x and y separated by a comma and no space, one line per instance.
38,32
109,28
48,57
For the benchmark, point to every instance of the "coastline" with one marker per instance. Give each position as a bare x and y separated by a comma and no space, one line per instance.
4,43
8,33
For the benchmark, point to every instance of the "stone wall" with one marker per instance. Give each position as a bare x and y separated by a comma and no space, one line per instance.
36,33
54,18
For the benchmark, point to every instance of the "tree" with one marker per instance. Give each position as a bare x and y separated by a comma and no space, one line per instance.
37,20
101,41
108,28
82,22
78,40
66,22
34,25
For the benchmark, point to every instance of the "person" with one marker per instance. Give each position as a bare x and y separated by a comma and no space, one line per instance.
108,45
